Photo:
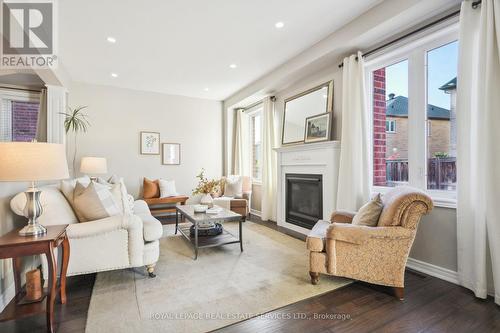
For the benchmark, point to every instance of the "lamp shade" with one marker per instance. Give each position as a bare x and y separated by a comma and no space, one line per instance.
93,165
32,161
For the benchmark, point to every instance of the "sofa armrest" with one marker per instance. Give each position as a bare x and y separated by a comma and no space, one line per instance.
342,216
247,195
358,234
97,227
141,207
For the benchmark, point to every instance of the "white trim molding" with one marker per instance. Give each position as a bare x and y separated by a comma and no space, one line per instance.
433,270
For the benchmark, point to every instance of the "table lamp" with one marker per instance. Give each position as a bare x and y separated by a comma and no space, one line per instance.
93,166
31,162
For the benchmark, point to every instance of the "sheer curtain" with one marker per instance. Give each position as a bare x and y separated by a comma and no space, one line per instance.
478,158
242,161
354,175
269,168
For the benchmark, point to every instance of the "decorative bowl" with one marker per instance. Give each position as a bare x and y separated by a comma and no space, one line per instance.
200,208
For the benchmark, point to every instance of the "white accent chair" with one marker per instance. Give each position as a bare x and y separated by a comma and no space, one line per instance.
116,242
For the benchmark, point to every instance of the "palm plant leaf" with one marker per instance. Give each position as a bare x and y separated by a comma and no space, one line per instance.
75,120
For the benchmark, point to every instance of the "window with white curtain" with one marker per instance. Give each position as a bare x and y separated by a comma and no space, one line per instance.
415,85
18,115
255,116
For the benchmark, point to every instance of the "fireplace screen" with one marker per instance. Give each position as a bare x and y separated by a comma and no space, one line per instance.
304,199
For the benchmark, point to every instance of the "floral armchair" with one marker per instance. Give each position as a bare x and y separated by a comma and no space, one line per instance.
372,254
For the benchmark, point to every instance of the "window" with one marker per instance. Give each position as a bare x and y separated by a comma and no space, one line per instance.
390,126
414,85
18,115
255,114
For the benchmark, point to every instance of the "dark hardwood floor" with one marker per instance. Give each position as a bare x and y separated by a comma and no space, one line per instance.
430,305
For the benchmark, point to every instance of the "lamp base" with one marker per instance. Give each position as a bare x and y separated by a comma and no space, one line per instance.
32,211
33,230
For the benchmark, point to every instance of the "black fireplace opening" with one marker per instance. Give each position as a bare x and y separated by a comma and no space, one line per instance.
304,199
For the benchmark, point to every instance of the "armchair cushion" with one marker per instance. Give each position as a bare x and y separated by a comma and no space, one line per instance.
150,188
369,213
233,186
315,241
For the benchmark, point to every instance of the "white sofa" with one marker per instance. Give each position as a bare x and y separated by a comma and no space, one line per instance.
116,242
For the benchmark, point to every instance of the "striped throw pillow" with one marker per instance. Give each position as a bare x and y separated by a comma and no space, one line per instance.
94,202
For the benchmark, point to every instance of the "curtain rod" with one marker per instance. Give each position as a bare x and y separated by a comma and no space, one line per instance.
22,89
475,4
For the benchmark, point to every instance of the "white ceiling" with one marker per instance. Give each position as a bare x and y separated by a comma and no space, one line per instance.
182,47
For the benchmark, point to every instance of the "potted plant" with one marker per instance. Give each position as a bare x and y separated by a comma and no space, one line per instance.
75,121
207,188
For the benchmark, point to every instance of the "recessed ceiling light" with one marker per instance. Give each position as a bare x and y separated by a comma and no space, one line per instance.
279,25
206,89
114,75
111,40
233,66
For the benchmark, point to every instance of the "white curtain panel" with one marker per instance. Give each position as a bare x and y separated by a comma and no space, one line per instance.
242,161
478,157
269,168
354,175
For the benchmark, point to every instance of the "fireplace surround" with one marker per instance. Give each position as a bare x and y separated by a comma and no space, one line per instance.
306,160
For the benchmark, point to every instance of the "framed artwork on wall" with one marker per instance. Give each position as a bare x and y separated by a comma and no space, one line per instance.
150,143
171,154
318,128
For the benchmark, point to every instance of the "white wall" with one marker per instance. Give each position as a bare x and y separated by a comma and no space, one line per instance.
118,115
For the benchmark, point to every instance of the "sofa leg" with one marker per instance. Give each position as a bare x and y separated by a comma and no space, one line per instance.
314,277
399,292
151,270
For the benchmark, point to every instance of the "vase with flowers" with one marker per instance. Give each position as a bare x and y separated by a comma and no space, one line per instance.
207,188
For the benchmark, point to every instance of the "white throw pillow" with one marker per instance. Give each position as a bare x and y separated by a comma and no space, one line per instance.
117,187
94,202
167,188
233,187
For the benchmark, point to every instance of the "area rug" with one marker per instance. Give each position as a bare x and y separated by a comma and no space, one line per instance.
221,287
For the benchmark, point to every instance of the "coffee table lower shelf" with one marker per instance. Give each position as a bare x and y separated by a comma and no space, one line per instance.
224,238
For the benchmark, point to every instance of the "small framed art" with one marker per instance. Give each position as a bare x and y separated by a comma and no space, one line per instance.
150,143
171,154
318,127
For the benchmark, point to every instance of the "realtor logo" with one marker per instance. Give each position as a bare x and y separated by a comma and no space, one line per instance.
28,34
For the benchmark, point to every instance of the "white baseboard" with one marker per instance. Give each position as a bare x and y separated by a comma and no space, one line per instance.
7,296
255,212
433,270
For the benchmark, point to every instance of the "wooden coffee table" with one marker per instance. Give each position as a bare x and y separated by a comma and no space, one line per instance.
208,241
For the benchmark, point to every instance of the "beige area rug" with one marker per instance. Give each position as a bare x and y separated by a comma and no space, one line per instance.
222,287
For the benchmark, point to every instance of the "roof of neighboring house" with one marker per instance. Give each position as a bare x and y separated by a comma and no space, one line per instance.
398,107
450,85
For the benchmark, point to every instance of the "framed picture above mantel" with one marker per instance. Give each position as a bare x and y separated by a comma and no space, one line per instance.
318,128
298,108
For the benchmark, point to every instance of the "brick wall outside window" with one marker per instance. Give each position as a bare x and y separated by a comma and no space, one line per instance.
24,120
379,136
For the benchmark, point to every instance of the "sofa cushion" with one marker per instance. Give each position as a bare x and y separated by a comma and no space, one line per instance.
67,188
316,239
369,213
94,202
56,209
233,186
150,188
167,188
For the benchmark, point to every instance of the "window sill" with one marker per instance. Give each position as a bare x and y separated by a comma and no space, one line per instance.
438,199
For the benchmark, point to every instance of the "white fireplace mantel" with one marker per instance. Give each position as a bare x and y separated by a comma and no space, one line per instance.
314,158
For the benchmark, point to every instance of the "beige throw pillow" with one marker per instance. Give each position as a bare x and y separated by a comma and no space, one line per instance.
67,187
370,212
94,202
233,187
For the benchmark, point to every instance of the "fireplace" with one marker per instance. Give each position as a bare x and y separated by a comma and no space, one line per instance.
304,199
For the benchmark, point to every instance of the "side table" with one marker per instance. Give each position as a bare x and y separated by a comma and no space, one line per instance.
14,246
